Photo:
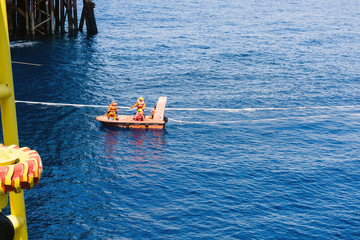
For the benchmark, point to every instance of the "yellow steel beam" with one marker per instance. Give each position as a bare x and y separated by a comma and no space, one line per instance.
4,92
9,122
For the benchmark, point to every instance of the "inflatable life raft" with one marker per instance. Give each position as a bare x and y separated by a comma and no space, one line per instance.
158,121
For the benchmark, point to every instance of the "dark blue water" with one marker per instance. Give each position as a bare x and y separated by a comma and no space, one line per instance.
263,134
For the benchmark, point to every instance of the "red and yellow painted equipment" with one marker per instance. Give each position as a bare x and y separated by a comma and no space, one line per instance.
20,168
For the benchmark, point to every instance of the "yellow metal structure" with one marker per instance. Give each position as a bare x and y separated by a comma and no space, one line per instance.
9,123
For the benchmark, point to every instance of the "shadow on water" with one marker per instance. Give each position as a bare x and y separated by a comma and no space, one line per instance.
72,59
140,144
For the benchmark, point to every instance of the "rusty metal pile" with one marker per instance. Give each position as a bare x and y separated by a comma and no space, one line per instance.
47,17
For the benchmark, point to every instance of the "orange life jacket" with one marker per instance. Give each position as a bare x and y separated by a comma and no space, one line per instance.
112,108
141,104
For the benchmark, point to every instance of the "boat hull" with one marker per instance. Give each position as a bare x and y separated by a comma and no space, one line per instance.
128,122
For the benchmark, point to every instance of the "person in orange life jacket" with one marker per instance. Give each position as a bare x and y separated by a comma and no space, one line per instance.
112,110
152,113
139,115
140,105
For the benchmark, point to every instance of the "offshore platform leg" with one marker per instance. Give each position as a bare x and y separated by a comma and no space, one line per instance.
88,16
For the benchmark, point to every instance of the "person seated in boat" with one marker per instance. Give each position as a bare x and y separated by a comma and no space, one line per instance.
152,113
112,110
140,105
139,115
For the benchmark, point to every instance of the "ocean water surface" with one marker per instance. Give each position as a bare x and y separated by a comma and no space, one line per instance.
263,134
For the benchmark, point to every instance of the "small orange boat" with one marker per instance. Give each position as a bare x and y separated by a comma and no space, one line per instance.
124,121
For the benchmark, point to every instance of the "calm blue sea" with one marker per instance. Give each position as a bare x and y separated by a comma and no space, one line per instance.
263,138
